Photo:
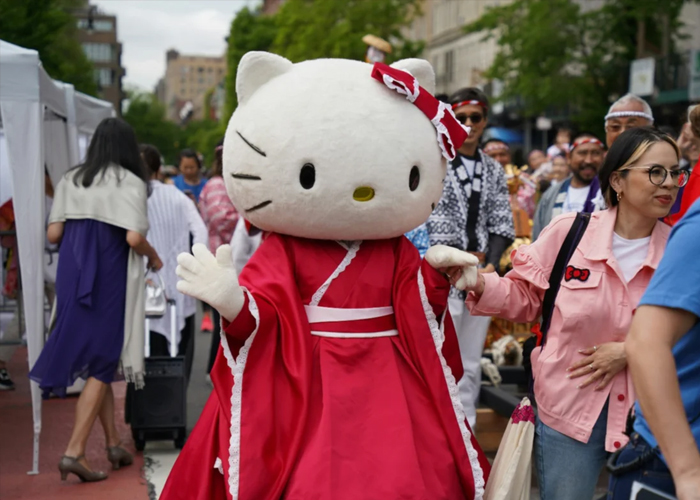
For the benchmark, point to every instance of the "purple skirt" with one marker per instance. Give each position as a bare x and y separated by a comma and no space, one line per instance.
91,294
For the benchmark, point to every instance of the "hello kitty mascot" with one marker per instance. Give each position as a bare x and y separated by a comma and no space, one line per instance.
336,374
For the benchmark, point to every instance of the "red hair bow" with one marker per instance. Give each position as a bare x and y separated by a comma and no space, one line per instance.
450,133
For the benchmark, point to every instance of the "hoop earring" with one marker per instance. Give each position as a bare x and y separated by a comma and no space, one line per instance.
619,196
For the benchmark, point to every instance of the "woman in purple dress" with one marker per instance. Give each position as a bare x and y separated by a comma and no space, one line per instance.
99,219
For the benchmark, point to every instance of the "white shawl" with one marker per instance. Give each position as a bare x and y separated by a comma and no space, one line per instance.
119,198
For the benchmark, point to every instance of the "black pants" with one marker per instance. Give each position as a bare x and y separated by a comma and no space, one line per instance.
215,339
159,345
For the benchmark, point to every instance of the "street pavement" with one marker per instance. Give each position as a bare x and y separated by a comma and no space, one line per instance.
143,480
16,437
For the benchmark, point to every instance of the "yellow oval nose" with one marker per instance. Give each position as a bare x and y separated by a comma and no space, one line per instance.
363,193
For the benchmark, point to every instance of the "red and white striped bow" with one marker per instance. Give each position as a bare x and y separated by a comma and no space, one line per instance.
450,133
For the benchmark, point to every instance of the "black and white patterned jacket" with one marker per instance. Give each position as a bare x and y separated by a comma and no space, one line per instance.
447,225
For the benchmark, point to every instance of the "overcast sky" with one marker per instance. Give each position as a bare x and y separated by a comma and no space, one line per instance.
148,28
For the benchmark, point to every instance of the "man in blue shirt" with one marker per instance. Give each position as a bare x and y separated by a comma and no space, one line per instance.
663,351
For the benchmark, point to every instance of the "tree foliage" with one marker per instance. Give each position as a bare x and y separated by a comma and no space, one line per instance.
554,54
249,31
147,116
309,29
48,27
203,136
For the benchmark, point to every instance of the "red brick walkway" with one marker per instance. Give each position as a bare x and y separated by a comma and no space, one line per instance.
16,448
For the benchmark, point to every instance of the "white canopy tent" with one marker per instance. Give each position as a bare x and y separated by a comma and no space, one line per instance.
43,122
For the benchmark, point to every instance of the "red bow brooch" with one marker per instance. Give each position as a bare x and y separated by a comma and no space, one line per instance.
576,274
450,133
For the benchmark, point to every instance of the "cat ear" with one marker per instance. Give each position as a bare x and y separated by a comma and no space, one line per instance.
256,69
421,71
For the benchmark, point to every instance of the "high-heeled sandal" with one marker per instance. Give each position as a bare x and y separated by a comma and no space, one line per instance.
71,465
118,456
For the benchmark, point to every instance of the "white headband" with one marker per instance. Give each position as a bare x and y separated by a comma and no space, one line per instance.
622,114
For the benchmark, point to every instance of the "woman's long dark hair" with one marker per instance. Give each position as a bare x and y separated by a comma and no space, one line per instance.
625,151
114,142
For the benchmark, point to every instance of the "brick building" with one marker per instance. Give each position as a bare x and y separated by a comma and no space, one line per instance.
187,79
97,33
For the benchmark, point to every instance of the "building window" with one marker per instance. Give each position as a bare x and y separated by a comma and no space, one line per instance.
102,25
99,52
104,77
97,25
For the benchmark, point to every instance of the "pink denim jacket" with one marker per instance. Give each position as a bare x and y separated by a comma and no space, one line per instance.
587,312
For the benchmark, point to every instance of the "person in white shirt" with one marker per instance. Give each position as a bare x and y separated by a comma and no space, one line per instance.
172,217
244,243
578,193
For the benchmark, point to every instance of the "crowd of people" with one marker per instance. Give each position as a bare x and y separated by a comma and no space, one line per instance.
623,339
635,185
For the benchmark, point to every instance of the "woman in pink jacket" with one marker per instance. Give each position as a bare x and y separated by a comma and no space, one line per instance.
582,386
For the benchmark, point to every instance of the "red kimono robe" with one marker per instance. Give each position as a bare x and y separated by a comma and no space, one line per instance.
336,381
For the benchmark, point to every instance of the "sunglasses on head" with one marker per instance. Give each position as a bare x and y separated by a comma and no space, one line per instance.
474,118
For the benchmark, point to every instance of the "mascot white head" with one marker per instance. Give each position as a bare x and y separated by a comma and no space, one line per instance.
324,150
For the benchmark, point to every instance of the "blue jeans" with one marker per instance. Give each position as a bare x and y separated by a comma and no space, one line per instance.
653,472
568,469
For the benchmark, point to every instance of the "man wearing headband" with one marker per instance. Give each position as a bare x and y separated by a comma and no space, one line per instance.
578,193
474,214
498,150
629,111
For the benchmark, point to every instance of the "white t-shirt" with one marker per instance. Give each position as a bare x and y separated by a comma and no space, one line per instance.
575,199
630,254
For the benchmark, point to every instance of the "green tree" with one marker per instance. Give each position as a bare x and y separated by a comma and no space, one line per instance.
147,116
309,29
249,31
48,27
552,54
203,136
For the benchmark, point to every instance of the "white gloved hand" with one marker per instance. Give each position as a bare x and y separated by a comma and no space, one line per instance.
459,266
211,279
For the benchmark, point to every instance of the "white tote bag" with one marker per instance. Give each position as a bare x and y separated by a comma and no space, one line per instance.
511,474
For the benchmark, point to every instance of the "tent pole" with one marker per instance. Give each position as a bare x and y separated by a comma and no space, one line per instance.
36,399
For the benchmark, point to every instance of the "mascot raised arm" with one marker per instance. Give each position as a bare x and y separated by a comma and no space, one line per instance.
336,376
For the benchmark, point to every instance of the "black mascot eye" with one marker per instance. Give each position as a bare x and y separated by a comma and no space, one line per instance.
414,179
307,176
